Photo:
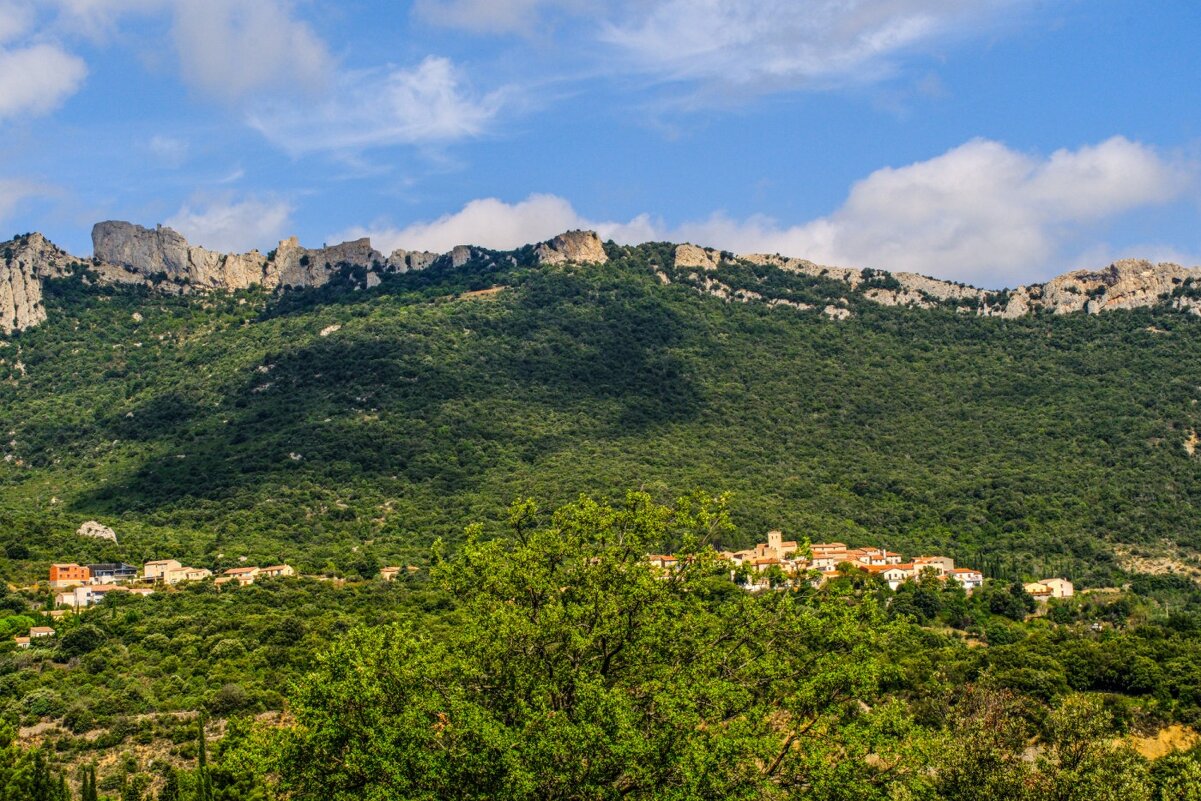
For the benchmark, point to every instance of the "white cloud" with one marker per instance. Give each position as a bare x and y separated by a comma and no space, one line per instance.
36,80
487,222
232,49
493,223
980,213
426,104
16,18
781,44
15,191
230,225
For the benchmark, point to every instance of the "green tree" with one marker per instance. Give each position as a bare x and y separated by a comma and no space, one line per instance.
576,670
1081,762
88,784
204,782
1177,777
170,789
82,639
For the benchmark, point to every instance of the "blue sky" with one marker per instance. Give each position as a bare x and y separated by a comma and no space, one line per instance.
994,141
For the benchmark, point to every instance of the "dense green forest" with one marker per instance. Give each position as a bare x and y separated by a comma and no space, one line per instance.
553,661
342,428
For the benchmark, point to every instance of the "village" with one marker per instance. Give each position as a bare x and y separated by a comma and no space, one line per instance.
779,563
774,564
78,586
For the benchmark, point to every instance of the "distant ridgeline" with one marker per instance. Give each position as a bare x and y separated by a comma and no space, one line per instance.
340,408
161,258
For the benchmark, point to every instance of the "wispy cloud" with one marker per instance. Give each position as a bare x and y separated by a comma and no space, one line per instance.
227,223
781,44
727,48
169,151
426,104
15,191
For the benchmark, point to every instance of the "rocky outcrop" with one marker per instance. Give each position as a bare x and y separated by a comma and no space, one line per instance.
402,261
580,247
1126,284
163,254
25,261
97,531
163,259
295,266
700,258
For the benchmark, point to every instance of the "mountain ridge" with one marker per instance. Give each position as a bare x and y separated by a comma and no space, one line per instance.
162,259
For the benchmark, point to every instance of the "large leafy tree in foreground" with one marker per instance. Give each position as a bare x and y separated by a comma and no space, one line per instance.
575,670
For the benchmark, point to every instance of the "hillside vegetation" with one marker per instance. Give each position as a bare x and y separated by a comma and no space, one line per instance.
341,428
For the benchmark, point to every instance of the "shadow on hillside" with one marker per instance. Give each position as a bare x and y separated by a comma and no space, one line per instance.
440,402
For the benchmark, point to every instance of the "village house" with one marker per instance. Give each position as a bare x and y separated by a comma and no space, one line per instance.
35,633
1046,589
829,561
1060,588
179,574
1040,591
942,565
158,569
63,576
243,576
874,556
776,547
896,575
276,571
87,595
389,573
92,594
969,578
109,572
751,566
665,561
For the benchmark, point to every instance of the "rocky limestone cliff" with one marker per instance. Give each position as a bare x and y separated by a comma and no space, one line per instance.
163,259
688,255
162,251
1126,284
581,247
23,263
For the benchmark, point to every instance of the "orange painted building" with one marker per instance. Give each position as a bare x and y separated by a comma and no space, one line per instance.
67,575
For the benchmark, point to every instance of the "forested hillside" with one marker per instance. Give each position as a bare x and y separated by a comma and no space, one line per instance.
343,428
